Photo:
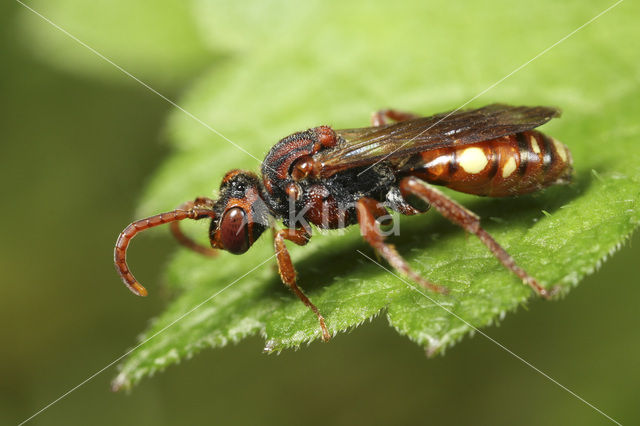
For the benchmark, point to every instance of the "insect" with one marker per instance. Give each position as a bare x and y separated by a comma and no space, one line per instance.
337,178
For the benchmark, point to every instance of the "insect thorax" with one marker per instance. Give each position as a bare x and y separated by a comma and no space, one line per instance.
326,202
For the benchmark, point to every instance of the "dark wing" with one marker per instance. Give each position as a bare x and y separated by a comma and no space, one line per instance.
366,146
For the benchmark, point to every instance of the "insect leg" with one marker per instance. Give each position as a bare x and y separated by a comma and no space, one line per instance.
368,210
470,222
288,273
182,238
120,250
382,117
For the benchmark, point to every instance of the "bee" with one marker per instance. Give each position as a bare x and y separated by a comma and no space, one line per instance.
332,179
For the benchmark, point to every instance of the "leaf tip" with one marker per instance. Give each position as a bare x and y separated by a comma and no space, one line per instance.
434,347
120,382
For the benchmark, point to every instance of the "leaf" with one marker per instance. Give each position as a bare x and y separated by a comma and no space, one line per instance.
156,41
350,59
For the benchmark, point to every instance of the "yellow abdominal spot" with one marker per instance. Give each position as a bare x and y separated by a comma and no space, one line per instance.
562,152
509,167
534,145
473,160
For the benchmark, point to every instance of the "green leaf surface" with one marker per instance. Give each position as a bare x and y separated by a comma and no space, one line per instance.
334,65
157,41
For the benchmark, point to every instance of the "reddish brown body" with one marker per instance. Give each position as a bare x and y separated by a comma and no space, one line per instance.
335,178
510,165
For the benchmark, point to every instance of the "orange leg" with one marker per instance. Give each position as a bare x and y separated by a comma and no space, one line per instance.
288,273
120,251
382,117
470,223
368,211
182,238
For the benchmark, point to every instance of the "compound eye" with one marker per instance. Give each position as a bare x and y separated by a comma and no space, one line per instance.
234,231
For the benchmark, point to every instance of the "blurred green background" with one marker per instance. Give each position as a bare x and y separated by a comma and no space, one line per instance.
79,141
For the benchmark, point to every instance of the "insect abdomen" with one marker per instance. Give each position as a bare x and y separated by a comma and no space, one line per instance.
515,164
